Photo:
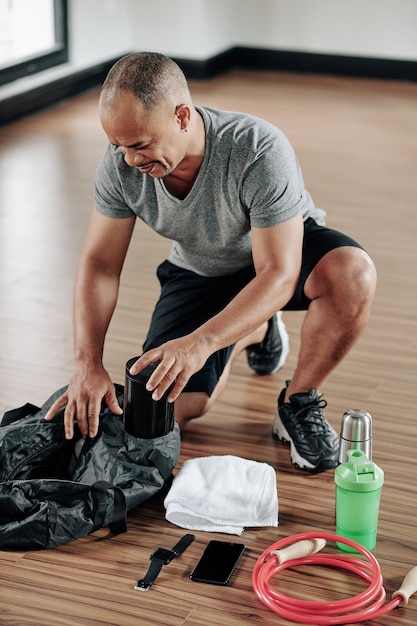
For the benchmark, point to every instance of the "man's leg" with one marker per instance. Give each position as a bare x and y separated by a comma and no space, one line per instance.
341,288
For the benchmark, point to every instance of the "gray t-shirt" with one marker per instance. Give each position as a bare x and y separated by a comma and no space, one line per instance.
249,176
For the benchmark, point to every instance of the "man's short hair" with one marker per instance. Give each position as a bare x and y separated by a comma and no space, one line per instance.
152,77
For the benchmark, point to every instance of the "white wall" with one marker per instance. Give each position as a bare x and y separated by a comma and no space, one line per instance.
201,28
368,28
100,30
192,29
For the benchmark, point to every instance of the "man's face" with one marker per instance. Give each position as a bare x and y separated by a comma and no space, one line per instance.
149,140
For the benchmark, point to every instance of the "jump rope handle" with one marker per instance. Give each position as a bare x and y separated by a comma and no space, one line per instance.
408,587
299,550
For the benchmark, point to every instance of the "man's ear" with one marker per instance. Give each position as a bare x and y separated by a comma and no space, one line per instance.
182,112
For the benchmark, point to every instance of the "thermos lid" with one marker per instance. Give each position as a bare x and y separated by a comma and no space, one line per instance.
143,376
356,425
359,473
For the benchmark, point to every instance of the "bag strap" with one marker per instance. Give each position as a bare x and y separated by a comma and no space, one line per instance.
161,463
17,414
101,488
99,491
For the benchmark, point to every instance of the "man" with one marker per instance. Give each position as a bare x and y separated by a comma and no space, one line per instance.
248,242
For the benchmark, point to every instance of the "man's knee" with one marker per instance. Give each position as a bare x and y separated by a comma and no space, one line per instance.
358,274
347,272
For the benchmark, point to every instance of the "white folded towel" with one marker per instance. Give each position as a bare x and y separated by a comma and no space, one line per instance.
223,494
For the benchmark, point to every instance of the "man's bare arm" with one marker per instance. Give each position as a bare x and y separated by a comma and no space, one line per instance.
95,297
277,258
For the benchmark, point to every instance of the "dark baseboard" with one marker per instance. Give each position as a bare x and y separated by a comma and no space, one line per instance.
238,57
336,65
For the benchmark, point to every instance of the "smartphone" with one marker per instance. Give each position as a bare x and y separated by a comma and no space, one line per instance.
218,562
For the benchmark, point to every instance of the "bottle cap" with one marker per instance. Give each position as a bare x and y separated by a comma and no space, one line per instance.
359,473
144,374
355,433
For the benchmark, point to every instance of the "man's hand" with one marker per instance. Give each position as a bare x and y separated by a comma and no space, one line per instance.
178,360
83,397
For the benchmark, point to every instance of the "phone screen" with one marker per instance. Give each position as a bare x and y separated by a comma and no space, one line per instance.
217,562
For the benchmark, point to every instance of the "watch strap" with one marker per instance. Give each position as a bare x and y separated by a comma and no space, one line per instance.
162,557
183,544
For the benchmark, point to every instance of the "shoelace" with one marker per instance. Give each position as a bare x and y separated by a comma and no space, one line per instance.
310,416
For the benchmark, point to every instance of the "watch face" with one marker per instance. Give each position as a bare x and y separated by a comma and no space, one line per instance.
165,555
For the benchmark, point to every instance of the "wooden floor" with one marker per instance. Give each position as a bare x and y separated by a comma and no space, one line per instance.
356,141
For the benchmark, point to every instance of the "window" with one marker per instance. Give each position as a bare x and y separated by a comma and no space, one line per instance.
33,37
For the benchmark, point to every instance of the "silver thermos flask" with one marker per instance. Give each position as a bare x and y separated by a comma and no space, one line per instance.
355,433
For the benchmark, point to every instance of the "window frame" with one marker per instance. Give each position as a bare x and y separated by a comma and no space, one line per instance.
38,63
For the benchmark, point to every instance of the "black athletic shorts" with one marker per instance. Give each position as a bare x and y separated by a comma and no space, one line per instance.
187,299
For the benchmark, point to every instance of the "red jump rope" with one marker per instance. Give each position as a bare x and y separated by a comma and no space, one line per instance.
302,549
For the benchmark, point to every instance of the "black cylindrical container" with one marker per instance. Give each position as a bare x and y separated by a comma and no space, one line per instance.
144,417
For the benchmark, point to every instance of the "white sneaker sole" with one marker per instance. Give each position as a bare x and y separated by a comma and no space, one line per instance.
285,343
281,433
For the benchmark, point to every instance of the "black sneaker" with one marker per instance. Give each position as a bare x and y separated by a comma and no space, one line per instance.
314,442
270,355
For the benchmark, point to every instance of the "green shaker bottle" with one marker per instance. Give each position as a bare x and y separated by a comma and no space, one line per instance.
358,491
